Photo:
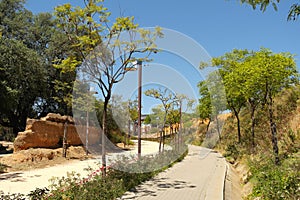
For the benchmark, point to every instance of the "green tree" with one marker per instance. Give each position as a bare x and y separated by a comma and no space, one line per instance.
147,120
18,62
263,4
173,118
167,99
19,87
233,80
275,71
28,44
204,107
217,93
105,52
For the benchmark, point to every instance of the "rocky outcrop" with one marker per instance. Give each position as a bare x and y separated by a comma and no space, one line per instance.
48,133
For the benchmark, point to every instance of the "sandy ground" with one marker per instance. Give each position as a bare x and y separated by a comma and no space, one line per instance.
25,181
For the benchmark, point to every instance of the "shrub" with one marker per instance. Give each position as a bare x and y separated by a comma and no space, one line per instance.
2,168
231,151
12,196
118,180
276,182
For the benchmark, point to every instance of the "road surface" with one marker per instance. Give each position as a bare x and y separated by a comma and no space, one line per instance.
199,176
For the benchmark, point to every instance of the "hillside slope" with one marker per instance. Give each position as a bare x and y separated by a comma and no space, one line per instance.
259,175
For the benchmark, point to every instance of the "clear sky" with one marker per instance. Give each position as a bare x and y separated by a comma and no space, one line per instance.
218,25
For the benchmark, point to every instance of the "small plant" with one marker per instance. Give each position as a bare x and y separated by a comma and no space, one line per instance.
2,168
38,193
11,196
231,151
276,182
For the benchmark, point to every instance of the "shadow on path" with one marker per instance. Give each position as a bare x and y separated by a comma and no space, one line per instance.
150,188
13,177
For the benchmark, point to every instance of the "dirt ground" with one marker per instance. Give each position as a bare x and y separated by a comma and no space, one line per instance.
40,158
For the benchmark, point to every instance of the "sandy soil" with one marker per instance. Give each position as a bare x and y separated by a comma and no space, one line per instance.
38,174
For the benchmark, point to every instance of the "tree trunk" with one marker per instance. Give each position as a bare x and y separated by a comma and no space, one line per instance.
103,138
127,137
274,132
164,135
207,127
218,128
160,140
65,144
252,126
238,125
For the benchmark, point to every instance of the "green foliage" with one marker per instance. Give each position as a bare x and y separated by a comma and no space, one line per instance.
28,45
270,181
204,108
276,182
38,193
293,14
231,151
263,4
12,196
74,187
2,168
147,120
267,74
167,98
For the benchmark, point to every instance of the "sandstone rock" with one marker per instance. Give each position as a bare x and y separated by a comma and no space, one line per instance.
54,117
48,133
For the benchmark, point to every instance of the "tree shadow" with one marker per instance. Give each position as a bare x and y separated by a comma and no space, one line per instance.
13,177
155,185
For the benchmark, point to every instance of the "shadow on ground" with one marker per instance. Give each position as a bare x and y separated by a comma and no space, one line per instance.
155,185
13,177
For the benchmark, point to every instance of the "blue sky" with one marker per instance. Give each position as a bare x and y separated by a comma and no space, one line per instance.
218,25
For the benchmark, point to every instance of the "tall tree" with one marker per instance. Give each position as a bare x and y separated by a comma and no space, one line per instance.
204,107
18,61
231,72
104,49
275,72
167,99
217,93
29,43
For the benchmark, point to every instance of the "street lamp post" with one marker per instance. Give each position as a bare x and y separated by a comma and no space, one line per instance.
139,63
87,133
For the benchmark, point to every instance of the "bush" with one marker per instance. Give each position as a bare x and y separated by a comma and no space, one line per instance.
118,180
276,182
2,168
231,151
11,196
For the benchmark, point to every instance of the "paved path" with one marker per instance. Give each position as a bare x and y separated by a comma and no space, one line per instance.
25,181
199,176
